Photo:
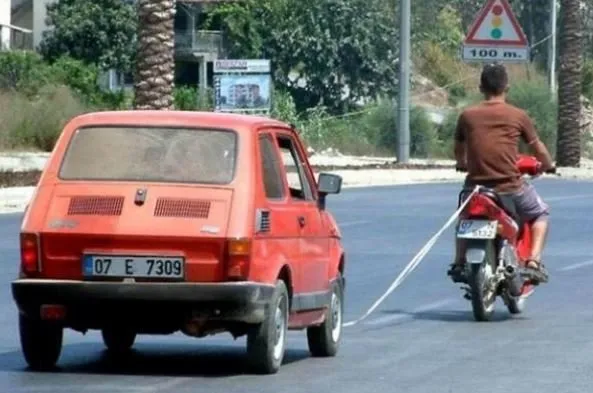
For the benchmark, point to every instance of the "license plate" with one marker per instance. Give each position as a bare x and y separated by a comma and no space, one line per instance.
133,266
477,229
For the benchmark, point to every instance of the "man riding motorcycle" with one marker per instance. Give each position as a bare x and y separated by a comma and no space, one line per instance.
487,145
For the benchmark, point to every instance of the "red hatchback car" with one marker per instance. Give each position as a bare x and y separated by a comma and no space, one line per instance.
153,222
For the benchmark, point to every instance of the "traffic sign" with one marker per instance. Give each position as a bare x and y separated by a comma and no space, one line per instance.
496,35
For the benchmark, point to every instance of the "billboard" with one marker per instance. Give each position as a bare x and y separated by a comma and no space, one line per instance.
243,86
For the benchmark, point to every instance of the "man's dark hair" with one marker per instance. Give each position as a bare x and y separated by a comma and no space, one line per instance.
494,79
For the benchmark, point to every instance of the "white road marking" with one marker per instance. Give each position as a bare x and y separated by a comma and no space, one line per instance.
397,317
352,223
575,266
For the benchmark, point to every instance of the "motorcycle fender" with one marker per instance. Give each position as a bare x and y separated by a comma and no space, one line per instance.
475,252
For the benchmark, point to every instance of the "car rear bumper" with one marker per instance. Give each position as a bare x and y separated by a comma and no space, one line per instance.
233,301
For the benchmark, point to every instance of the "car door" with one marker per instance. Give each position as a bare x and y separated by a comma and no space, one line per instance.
278,230
313,242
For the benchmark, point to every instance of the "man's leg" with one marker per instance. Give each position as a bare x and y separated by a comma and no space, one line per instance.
532,209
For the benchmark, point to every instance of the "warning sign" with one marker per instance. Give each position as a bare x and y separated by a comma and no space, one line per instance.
496,35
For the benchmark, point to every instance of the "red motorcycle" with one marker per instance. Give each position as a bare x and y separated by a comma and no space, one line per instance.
497,245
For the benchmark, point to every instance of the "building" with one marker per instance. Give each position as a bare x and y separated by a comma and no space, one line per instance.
22,23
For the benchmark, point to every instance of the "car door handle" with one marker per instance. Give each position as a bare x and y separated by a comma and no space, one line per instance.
302,221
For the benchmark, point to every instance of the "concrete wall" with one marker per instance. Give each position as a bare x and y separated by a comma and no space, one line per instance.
23,16
4,20
39,14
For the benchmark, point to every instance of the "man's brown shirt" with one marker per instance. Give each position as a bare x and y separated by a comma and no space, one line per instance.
491,132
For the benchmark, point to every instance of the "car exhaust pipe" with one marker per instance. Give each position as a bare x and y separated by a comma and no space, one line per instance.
514,280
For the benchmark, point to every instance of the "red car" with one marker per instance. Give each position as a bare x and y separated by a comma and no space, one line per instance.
153,222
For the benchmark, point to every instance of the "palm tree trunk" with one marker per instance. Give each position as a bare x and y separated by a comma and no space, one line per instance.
568,146
155,64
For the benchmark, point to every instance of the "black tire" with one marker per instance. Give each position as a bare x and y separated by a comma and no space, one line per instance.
118,340
41,342
482,306
264,352
324,340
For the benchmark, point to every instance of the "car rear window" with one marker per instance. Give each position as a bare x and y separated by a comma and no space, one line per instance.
158,154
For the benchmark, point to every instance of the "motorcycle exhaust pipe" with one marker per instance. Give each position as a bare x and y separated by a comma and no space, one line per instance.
514,280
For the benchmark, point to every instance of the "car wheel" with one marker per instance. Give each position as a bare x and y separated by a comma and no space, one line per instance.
266,341
41,342
118,340
324,340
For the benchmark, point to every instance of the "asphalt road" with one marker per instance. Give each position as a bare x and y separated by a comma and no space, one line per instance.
422,339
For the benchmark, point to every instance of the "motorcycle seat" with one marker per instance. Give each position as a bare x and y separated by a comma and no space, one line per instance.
505,202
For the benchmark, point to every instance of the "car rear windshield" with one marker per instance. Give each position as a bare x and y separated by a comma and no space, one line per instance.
158,154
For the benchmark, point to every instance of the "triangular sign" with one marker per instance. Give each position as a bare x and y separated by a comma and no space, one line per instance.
496,25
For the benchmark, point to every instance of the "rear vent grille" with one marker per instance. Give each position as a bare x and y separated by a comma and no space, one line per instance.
263,221
190,208
95,205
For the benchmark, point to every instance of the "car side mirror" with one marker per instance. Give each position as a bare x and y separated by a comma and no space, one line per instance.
329,183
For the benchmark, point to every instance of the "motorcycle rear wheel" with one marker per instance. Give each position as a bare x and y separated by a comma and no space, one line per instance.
483,299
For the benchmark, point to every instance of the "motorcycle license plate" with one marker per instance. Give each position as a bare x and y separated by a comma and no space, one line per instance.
476,229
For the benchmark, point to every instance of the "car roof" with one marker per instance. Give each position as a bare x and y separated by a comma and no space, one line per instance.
171,117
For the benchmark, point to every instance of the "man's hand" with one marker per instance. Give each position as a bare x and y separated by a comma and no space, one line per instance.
543,156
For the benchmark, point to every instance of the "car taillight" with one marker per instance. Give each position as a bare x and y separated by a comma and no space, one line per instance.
238,257
29,253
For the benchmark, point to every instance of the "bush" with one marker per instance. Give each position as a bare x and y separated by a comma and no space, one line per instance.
23,71
534,97
36,124
192,99
372,130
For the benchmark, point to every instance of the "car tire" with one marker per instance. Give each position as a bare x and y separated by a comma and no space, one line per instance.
324,340
118,340
266,342
41,342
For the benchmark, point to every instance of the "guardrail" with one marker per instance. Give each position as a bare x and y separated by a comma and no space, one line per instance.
19,38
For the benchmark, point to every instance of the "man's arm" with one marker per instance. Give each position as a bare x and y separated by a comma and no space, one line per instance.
460,148
529,134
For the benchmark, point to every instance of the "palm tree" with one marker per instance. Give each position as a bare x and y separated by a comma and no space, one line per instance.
155,65
568,145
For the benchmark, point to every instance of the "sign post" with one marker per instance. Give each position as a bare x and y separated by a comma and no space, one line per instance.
496,35
243,86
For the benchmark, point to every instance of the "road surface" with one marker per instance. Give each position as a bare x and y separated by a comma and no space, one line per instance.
422,339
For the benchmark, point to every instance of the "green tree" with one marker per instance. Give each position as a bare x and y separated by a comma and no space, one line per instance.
98,32
320,49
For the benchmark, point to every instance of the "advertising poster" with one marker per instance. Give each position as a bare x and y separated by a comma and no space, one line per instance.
243,86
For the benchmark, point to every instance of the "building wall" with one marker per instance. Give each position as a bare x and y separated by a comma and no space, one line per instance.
23,16
4,20
39,14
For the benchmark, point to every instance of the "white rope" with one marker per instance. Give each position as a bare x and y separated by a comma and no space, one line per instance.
415,261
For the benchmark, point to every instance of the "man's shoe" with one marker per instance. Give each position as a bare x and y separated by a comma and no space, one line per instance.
456,272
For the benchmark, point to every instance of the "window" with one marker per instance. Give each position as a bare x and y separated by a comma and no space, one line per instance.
160,154
293,167
272,177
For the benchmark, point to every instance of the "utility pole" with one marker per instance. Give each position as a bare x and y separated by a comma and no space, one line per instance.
552,48
403,151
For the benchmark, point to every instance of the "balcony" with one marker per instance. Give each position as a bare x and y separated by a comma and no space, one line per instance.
17,38
199,43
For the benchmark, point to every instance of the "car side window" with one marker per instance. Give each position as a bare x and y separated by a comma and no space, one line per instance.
298,184
271,172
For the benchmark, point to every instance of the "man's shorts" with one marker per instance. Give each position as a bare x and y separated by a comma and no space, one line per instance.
528,204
